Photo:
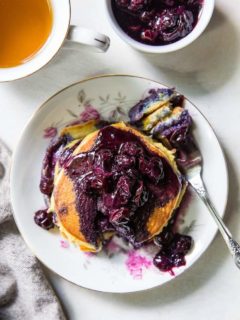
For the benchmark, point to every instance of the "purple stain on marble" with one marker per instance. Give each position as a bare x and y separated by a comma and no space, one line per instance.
136,264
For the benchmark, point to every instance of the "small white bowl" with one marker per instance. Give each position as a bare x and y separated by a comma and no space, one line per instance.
204,18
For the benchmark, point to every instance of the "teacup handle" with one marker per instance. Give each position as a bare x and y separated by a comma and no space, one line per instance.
89,38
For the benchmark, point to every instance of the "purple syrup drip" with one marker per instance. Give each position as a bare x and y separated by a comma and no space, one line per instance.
55,152
174,247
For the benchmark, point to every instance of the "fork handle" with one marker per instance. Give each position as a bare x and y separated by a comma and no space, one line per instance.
234,247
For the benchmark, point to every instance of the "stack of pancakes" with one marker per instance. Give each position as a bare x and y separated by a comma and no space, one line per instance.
64,197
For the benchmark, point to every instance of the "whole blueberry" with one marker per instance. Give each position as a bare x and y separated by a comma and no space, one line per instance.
163,262
44,219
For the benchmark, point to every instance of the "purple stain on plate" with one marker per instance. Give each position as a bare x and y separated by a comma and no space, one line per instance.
89,254
136,264
64,244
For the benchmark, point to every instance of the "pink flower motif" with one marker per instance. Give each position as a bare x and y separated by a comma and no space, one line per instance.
64,244
50,132
136,263
90,113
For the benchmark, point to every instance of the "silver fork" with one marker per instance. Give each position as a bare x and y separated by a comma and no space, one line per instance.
190,162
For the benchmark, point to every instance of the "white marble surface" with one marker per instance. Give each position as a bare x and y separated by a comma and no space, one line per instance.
208,72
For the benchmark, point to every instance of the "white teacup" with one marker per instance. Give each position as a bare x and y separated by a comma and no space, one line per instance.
61,30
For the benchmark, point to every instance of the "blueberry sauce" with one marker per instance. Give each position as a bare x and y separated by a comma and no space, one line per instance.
118,183
173,249
58,151
157,22
52,154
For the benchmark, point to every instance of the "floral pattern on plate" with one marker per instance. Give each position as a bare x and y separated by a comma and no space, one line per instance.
90,111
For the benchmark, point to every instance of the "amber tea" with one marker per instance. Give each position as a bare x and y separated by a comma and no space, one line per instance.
25,26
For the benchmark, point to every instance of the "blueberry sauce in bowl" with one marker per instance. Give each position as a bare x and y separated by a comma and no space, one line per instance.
157,22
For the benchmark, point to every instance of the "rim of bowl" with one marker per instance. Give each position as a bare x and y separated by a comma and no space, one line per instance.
204,19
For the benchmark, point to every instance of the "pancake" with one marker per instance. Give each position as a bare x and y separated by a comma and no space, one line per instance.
70,217
155,100
162,116
152,119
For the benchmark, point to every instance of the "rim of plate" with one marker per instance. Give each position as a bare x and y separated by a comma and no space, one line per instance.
44,104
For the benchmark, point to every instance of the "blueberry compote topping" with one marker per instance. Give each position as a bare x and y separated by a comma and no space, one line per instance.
58,151
118,183
157,22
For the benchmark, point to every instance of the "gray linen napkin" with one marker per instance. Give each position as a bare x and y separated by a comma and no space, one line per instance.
24,291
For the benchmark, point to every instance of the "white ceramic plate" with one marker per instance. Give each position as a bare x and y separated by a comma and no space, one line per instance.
111,96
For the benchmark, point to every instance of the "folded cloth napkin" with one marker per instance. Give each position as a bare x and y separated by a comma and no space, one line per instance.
24,291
